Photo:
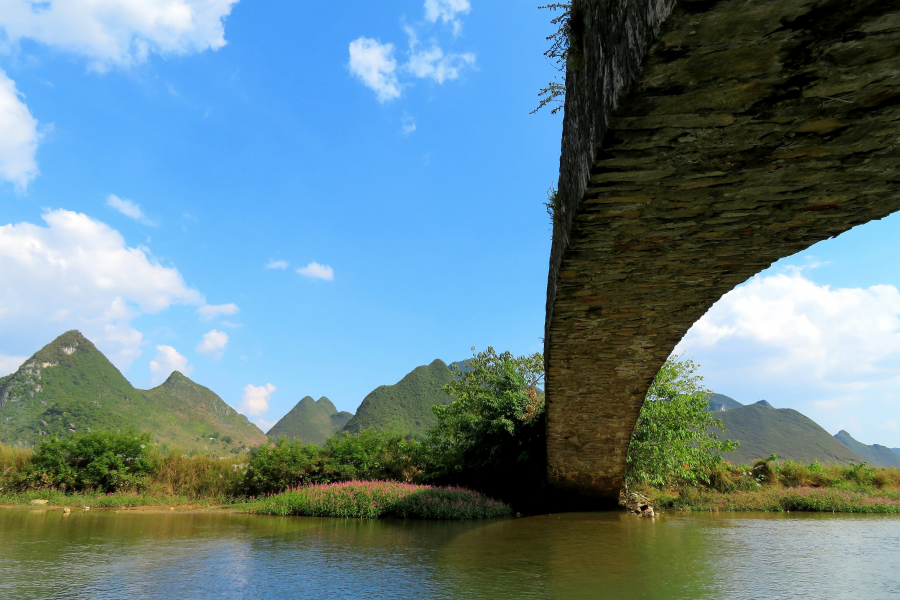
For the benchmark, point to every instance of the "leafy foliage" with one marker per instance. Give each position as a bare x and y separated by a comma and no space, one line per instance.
103,461
492,434
672,441
348,456
559,54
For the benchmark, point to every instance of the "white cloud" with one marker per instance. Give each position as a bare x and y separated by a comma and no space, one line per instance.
78,273
434,64
9,364
210,311
264,425
256,399
447,11
372,62
277,264
130,209
167,360
832,353
19,135
117,32
316,271
409,125
213,342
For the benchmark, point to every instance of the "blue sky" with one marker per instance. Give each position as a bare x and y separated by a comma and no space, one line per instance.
312,199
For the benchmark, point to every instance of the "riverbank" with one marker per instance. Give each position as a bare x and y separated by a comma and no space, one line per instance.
782,486
779,499
351,499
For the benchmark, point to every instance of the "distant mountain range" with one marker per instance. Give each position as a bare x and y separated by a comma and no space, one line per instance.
69,386
311,421
404,407
764,430
874,454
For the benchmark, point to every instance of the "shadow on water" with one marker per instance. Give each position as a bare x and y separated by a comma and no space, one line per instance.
588,555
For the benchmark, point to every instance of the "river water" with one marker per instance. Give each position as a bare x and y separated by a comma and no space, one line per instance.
125,555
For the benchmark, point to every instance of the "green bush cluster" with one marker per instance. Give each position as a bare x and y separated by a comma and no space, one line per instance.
105,461
345,457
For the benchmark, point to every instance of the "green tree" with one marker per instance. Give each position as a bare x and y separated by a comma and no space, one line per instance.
103,460
672,441
491,435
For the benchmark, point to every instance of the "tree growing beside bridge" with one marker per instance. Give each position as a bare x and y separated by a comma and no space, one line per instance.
674,441
492,434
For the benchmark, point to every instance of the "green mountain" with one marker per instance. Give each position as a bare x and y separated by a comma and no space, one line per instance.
721,403
311,421
405,407
763,430
69,386
875,455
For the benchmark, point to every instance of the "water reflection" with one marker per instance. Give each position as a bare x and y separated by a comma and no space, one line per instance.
101,555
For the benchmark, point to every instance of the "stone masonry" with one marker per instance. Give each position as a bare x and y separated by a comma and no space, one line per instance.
751,130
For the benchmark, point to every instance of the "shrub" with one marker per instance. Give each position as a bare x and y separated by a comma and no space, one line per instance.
492,436
724,479
793,474
284,465
673,441
764,469
373,455
887,478
104,461
195,476
859,474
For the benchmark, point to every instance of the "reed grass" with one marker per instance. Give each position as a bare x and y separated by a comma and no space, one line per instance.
771,485
374,499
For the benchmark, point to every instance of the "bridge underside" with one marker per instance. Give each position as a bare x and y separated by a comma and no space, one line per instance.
755,129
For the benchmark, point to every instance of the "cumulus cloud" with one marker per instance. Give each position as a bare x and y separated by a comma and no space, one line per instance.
213,342
19,135
168,360
409,125
78,273
434,64
118,33
447,11
316,271
211,311
372,62
277,264
256,399
830,352
130,209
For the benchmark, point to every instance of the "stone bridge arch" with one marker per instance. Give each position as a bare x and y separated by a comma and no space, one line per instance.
703,140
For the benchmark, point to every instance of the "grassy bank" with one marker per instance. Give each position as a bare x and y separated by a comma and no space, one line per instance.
373,499
351,499
780,486
353,476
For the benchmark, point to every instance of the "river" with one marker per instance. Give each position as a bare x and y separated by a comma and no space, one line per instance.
130,555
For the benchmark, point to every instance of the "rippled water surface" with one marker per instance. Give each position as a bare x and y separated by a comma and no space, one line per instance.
599,555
